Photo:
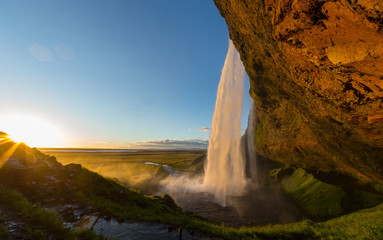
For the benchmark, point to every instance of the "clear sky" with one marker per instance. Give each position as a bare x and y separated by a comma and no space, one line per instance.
113,73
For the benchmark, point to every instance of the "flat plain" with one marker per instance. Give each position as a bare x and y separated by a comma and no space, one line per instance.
142,169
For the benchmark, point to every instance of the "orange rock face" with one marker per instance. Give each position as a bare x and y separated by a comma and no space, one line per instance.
316,72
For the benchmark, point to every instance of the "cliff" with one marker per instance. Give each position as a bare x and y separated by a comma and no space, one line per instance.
316,73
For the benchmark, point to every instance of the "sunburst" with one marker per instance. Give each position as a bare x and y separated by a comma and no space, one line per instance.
33,131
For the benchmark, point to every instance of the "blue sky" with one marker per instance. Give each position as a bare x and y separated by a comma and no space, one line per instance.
109,73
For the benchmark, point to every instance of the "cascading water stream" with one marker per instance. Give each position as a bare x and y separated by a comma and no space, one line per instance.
229,191
250,146
225,167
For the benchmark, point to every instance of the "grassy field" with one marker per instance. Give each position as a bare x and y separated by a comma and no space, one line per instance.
132,168
178,160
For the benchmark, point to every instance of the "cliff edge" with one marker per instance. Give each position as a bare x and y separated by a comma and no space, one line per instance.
316,73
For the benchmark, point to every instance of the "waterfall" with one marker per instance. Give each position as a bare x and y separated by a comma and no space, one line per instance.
250,145
225,166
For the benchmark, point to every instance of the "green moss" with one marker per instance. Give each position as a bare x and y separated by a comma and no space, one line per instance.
33,214
36,234
38,222
317,198
364,224
275,172
3,231
322,200
378,188
365,199
84,234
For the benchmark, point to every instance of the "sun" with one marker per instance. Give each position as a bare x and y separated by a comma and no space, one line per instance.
33,131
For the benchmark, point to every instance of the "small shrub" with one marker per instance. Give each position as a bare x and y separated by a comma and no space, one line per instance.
3,232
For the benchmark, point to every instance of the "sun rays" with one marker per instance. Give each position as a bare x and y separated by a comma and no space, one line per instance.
34,131
23,131
7,148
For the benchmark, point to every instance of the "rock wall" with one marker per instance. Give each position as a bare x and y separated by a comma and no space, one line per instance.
316,73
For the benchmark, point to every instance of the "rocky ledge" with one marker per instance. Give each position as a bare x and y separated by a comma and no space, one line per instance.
316,73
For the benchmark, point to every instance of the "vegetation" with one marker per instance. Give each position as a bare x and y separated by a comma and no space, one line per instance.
142,170
3,229
118,201
38,223
364,224
177,160
322,200
88,189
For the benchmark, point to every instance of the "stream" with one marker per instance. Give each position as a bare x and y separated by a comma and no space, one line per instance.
138,230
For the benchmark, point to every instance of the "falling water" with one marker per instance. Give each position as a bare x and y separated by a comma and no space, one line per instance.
224,193
224,170
250,142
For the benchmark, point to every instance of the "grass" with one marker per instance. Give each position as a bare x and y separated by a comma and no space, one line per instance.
118,201
3,229
122,203
321,200
177,160
364,224
38,222
130,169
45,222
88,189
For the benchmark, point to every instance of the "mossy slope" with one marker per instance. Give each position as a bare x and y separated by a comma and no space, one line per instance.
33,221
321,200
